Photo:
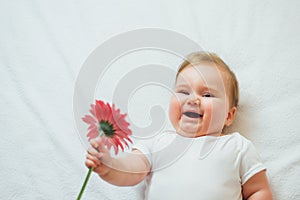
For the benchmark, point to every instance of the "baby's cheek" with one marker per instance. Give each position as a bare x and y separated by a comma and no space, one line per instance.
216,113
209,111
208,106
174,108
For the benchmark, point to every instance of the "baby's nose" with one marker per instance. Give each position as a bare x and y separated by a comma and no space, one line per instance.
194,100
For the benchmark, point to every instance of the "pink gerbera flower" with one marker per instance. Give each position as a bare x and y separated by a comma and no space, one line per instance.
107,122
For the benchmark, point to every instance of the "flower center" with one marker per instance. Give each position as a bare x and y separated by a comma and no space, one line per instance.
106,129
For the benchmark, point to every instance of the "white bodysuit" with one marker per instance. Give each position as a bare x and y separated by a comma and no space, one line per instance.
203,168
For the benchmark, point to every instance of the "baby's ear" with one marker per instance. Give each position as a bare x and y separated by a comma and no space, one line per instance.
230,116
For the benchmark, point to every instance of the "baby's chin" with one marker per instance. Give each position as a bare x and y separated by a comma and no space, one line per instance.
188,129
188,132
195,131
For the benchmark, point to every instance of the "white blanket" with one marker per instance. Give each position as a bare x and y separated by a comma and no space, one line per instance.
43,45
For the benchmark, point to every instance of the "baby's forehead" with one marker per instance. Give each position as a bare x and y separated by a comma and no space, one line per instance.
206,73
203,77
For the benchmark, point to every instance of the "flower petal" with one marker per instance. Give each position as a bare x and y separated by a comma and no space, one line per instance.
93,110
89,119
93,133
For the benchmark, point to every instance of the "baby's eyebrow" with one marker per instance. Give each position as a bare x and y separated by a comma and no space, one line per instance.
182,85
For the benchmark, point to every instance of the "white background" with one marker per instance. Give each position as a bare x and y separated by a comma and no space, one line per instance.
43,45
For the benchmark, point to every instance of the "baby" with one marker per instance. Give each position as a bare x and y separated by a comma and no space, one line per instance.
197,160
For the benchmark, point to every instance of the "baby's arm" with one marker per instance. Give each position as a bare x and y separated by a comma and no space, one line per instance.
123,171
257,188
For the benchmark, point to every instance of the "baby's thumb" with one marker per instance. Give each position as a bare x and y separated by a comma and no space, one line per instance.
101,147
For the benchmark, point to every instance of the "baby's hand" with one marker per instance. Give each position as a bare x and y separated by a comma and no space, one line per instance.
98,157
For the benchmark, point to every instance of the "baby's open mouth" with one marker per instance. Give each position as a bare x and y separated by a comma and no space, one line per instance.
192,114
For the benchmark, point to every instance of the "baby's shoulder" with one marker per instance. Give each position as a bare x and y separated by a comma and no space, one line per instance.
239,140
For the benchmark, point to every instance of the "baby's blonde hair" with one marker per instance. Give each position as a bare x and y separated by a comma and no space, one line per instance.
203,57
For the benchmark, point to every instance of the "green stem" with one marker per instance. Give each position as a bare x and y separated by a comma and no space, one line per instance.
85,182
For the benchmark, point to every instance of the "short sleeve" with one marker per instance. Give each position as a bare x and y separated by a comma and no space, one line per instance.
145,147
250,163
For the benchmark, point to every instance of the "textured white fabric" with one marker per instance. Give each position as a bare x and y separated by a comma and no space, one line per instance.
207,167
43,45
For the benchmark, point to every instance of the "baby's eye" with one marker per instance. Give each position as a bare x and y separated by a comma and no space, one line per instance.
207,95
183,92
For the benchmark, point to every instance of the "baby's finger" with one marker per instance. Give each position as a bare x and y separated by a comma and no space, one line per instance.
90,163
100,146
94,143
94,159
93,152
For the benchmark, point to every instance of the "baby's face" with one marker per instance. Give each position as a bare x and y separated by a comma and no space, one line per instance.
199,105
